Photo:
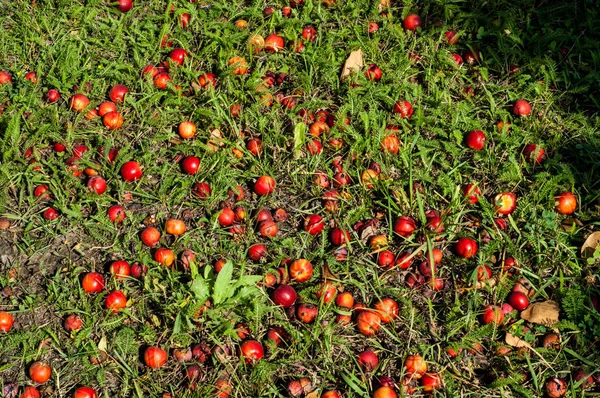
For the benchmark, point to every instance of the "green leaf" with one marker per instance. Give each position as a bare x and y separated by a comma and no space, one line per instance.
200,288
223,289
299,137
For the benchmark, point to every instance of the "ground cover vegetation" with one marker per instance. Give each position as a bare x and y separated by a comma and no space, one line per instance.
304,199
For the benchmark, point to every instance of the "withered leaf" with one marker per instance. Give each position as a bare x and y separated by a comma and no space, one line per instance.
590,245
544,313
355,62
514,341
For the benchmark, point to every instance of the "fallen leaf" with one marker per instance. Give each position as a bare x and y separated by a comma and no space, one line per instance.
567,224
514,341
326,272
590,245
544,313
367,233
354,63
102,346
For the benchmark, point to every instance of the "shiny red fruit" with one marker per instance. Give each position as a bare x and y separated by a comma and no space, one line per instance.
124,5
368,360
412,22
72,323
40,372
116,214
374,73
475,140
6,321
314,224
120,269
117,93
466,248
274,43
201,190
284,296
178,55
131,171
92,282
505,203
492,314
52,95
521,108
339,236
252,351
518,300
85,392
472,193
566,203
404,109
404,226
155,357
190,165
115,301
264,185
533,153
97,185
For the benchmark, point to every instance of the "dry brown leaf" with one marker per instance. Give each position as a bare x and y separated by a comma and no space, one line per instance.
567,224
355,62
590,245
544,313
326,272
514,341
367,233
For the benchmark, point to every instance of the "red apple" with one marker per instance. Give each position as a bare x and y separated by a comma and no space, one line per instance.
566,203
521,108
475,140
412,22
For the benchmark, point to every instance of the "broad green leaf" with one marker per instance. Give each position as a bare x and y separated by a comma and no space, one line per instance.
223,288
200,289
299,137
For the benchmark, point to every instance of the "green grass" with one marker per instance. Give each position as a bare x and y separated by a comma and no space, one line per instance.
72,43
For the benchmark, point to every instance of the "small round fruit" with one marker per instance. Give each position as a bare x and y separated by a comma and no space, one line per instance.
120,269
113,120
201,190
521,108
518,300
301,270
50,214
264,185
79,102
505,203
284,296
40,372
257,252
388,309
117,93
252,351
534,153
368,322
97,185
162,80
72,323
131,171
92,282
345,300
190,165
431,382
555,387
566,203
274,43
115,301
187,129
175,227
466,248
85,392
472,193
415,366
404,109
384,392
155,357
124,5
30,392
374,73
6,321
412,22
492,314
178,56
150,236
164,256
475,140
52,95
368,360
314,224
404,226
307,313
